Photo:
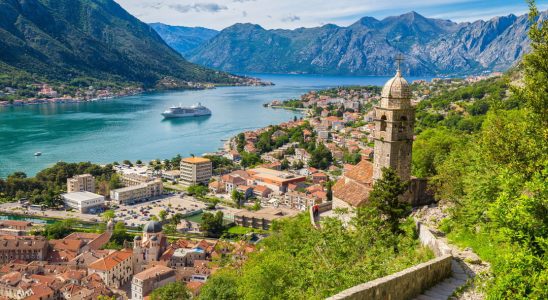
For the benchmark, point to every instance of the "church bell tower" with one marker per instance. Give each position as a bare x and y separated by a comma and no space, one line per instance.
394,122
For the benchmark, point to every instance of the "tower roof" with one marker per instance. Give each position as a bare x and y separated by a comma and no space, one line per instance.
152,227
396,88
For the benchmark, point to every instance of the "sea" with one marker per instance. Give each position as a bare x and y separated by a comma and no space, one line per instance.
132,127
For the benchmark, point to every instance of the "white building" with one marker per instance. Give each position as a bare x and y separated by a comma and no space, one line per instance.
83,201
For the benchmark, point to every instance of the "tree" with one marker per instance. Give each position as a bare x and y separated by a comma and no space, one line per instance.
212,224
285,164
59,229
171,291
127,162
138,162
221,286
198,191
386,197
108,215
162,215
237,197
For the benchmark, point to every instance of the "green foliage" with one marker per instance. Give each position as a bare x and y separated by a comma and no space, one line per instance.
431,148
249,159
119,236
212,224
60,229
108,215
298,261
386,198
237,197
199,191
223,286
45,188
171,291
221,164
496,179
320,157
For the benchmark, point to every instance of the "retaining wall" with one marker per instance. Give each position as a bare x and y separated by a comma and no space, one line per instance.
410,282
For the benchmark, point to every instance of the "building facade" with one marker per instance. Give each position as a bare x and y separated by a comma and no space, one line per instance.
115,270
137,193
394,121
81,183
25,248
195,170
145,282
83,202
150,246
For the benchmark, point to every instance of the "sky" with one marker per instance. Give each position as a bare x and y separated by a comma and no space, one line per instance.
290,14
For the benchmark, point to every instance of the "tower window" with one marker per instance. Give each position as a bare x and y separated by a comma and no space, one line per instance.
403,122
383,123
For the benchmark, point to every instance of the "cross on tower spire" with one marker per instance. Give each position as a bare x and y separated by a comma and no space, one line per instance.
399,59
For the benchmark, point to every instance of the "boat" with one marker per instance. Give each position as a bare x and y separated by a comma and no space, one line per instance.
37,153
195,110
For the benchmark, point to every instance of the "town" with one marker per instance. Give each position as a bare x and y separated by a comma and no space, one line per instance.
178,221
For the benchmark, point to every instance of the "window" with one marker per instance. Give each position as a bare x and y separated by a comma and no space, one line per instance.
403,123
383,123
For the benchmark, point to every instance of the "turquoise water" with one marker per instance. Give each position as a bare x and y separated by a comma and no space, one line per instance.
132,127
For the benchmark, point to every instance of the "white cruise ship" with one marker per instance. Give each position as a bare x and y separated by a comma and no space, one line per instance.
195,110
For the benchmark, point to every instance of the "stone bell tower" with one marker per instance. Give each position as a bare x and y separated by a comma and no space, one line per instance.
394,120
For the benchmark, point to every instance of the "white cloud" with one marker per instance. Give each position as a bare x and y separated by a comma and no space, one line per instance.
219,14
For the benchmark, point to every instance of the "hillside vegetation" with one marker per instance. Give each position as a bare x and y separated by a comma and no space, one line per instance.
65,39
489,164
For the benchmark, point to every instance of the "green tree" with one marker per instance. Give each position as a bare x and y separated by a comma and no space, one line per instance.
162,215
237,197
199,191
212,224
386,197
108,215
171,291
222,287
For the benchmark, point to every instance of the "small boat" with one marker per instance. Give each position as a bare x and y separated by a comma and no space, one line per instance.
37,153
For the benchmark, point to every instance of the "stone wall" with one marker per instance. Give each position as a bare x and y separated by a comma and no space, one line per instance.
410,282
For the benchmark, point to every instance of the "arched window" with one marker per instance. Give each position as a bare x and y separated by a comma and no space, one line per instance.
383,123
403,123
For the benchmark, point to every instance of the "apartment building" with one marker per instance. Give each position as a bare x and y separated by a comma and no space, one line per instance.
137,193
81,183
115,269
150,279
195,170
25,248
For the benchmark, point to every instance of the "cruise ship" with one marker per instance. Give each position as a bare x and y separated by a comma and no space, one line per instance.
195,110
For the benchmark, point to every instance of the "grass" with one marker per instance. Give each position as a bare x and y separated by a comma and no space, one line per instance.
243,230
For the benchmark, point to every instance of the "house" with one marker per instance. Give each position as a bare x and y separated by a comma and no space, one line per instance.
116,269
216,187
234,179
277,181
150,279
247,191
262,191
319,177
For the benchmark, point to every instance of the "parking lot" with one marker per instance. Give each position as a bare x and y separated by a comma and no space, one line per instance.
141,213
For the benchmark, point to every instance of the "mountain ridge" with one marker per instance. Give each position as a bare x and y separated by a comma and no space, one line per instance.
368,47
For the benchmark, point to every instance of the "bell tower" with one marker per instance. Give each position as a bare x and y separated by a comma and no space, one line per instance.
394,122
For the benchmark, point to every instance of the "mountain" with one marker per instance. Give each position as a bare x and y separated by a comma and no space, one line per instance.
64,39
183,39
369,46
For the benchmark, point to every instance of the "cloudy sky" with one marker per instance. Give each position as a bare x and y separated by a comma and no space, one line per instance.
219,14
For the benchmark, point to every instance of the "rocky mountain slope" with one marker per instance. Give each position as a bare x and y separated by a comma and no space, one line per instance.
183,39
64,39
368,47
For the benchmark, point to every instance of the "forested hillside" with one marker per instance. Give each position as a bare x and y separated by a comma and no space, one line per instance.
489,164
63,40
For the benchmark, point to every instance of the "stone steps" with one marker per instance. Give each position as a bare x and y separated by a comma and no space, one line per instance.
444,289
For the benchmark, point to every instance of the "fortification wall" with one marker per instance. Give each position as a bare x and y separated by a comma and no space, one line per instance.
410,282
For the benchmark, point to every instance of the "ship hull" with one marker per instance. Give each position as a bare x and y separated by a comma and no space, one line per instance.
174,115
